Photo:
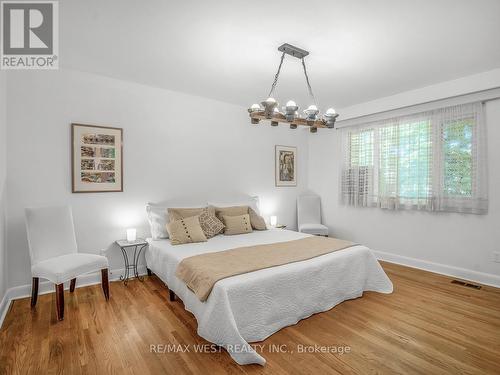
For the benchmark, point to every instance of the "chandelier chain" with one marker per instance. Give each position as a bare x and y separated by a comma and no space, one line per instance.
275,82
307,81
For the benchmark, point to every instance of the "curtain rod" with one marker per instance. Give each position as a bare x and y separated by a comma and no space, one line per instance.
424,103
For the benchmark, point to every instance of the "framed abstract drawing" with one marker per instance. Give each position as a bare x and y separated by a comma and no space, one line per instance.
286,166
96,159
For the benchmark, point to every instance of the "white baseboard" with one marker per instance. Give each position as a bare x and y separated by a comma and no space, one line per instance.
462,273
45,287
4,306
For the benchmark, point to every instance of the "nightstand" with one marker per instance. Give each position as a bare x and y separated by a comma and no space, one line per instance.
138,246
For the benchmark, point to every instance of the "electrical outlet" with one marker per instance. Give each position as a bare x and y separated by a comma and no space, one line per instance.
496,256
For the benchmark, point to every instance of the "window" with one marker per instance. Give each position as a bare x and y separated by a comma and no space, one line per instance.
362,149
433,161
404,159
457,148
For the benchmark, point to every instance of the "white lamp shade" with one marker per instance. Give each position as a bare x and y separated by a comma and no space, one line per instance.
273,220
131,234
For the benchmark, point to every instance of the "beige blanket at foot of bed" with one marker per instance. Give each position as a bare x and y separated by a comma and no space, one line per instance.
201,272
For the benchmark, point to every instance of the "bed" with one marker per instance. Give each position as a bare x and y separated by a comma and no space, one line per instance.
250,307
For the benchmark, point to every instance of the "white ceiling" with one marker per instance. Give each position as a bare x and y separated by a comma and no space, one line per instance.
226,50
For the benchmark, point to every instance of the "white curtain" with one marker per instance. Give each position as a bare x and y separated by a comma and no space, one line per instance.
433,160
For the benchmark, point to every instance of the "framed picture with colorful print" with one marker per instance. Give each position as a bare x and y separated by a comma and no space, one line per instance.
96,159
286,166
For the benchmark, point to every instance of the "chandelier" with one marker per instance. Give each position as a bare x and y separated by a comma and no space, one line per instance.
269,108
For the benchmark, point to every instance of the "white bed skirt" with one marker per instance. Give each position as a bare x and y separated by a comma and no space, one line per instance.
250,307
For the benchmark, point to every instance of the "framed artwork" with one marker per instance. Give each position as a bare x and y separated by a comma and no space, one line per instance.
286,166
97,159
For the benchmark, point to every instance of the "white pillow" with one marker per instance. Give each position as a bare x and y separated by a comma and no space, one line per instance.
158,214
158,219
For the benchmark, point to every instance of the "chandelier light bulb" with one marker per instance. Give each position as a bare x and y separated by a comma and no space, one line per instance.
330,117
254,108
269,105
276,111
311,112
291,110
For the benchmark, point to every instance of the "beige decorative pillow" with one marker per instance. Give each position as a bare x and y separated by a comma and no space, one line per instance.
210,224
182,213
257,221
237,224
186,230
231,211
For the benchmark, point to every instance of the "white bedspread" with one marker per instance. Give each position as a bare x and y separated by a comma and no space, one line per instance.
250,307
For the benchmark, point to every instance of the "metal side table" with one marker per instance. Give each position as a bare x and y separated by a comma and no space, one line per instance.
138,246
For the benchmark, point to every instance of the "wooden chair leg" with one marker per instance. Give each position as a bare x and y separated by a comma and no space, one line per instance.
171,294
72,285
60,301
34,291
105,283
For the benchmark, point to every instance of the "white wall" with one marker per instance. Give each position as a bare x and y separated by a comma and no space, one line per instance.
464,85
177,144
436,241
174,145
3,169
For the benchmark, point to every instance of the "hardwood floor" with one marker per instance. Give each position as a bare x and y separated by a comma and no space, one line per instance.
427,326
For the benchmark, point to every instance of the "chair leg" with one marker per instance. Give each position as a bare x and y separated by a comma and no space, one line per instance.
60,301
72,285
105,283
34,291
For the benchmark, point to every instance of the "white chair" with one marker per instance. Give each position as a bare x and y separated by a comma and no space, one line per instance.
54,254
309,215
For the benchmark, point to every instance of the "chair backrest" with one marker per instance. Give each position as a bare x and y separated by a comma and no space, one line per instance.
308,209
50,232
